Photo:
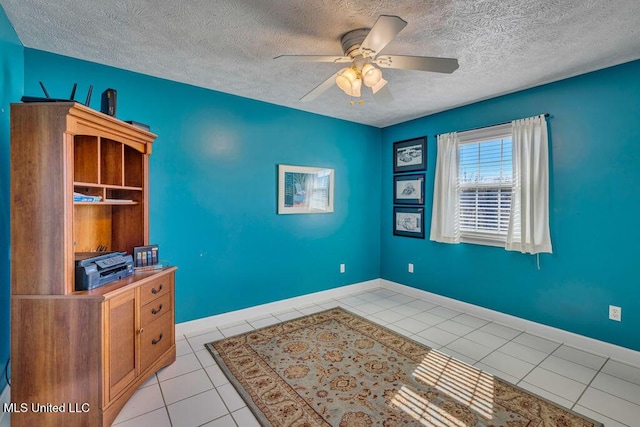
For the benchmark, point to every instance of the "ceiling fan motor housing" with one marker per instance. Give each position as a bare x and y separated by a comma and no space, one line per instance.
352,40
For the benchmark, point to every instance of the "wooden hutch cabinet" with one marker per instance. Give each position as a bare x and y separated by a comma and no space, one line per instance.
78,356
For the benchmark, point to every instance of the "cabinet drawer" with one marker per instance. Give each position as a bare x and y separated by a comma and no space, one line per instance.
156,308
155,288
155,339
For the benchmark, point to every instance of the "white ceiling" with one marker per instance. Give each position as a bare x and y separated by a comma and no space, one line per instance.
502,45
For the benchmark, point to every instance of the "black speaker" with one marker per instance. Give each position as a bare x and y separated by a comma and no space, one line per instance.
109,102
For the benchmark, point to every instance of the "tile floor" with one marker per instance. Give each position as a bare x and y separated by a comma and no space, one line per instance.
194,392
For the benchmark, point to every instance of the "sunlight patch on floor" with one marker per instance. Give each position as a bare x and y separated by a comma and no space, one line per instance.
423,411
467,385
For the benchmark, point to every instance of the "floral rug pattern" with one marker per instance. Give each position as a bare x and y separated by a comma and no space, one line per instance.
335,368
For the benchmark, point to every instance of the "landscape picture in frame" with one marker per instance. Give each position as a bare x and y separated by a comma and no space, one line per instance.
408,189
410,155
408,222
305,190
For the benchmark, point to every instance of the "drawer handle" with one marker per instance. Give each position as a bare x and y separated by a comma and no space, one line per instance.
154,311
156,341
155,291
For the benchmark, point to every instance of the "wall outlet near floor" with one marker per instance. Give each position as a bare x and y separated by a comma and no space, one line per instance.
410,268
342,268
615,313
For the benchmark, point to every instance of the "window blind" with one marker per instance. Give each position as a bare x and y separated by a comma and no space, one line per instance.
485,179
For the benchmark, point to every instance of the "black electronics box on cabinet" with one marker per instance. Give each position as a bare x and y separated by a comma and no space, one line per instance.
139,125
109,102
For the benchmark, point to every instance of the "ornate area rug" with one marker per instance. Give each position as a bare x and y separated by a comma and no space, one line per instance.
335,368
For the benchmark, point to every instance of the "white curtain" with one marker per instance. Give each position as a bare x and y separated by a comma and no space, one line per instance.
445,225
529,220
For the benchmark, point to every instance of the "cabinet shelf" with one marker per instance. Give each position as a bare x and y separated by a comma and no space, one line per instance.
109,202
106,186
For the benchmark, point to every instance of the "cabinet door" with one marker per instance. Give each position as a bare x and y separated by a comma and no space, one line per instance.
120,348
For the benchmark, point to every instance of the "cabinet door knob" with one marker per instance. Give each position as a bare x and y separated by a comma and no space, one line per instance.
141,330
154,311
155,291
156,341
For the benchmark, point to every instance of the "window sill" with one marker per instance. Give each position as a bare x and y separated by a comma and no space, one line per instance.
484,241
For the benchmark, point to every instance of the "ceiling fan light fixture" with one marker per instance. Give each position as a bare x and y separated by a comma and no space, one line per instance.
378,86
349,82
355,88
371,75
346,79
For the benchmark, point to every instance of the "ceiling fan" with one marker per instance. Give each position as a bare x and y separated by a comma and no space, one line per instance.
362,49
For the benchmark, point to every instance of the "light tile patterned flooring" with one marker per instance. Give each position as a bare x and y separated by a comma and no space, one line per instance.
193,391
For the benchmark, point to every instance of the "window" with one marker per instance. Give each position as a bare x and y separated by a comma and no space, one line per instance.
485,180
491,187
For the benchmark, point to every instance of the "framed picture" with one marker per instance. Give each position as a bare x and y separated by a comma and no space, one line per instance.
408,222
305,190
410,155
408,189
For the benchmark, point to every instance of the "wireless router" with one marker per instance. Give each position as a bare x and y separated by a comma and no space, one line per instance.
49,99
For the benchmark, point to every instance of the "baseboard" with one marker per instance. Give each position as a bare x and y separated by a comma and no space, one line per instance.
194,326
5,397
591,345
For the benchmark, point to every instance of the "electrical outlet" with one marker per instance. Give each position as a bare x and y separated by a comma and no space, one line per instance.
410,268
342,268
615,313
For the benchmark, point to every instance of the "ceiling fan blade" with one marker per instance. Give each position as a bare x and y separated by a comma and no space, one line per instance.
312,58
420,63
383,31
321,88
383,96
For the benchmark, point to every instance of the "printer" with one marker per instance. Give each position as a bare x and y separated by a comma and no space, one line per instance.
94,269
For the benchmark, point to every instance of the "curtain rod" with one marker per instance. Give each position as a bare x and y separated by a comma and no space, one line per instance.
488,126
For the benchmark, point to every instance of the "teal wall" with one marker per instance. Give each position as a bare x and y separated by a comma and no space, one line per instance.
213,177
11,78
594,203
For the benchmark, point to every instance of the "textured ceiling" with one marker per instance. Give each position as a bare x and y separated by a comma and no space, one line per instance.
229,46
